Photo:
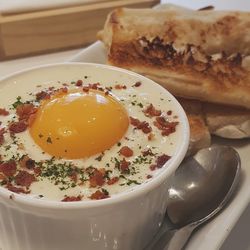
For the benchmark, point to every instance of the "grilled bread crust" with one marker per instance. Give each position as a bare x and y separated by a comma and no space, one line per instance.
165,45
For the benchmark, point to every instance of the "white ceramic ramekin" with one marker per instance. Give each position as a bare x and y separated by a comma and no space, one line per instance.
126,221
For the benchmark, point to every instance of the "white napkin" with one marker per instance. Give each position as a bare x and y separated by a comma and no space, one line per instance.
17,6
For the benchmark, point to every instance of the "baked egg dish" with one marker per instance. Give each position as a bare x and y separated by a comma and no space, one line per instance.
84,138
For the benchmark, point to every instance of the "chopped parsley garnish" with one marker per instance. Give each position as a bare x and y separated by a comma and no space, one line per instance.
142,160
60,173
99,158
17,102
129,182
105,191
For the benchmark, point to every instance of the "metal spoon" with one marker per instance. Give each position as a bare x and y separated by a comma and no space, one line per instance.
200,188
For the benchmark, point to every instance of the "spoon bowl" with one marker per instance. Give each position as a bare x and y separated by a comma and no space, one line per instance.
202,185
200,188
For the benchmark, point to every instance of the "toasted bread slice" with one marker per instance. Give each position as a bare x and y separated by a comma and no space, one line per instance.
226,121
165,45
216,31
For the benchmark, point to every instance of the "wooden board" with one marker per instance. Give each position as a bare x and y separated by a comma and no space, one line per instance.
46,31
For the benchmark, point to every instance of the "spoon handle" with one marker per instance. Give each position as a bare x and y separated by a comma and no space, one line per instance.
168,239
179,238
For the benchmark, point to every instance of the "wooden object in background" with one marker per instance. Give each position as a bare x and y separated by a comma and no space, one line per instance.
46,31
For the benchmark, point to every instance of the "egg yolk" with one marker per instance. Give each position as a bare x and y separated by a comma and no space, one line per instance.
77,124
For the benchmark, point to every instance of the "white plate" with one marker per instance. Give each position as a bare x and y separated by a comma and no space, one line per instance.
212,235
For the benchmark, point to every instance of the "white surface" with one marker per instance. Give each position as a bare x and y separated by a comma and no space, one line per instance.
17,6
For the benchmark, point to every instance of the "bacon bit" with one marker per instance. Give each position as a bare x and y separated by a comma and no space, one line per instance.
8,168
170,129
85,89
161,122
4,112
152,167
94,85
23,178
137,84
27,162
37,171
17,127
119,86
98,195
135,122
167,131
73,176
167,127
97,179
169,112
24,111
124,165
144,126
149,176
148,152
63,90
72,198
161,160
17,190
126,151
42,95
151,137
113,180
151,111
79,83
